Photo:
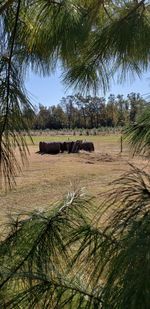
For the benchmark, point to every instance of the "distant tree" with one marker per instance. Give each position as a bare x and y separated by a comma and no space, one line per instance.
80,102
77,111
95,110
29,114
68,106
122,113
136,104
58,118
42,118
112,117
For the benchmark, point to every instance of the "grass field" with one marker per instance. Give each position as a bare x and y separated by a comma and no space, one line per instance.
47,178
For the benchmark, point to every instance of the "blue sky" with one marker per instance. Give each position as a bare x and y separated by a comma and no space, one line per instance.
49,90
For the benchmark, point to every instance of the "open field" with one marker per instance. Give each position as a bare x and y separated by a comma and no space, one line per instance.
47,178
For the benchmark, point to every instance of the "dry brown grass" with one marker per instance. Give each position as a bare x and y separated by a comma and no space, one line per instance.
48,177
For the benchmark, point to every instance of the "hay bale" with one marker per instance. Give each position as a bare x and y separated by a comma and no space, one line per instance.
76,146
71,146
67,146
87,146
56,147
61,147
52,148
42,147
79,142
64,146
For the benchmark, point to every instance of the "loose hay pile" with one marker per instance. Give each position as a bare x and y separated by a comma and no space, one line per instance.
69,146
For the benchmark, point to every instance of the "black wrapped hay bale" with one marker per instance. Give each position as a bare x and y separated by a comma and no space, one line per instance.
87,146
51,148
42,147
69,146
76,147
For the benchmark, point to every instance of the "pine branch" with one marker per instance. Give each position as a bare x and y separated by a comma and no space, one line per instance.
63,218
6,5
8,75
64,293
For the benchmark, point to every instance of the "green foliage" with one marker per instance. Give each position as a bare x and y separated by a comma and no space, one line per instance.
77,111
117,255
62,259
138,134
35,259
128,284
11,121
116,43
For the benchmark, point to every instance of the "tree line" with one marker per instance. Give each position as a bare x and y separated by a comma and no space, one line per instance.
76,111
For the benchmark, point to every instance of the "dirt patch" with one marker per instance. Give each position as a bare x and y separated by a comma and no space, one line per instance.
105,157
98,157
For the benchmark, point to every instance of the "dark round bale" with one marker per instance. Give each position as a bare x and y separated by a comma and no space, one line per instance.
87,146
79,143
70,146
61,146
42,147
76,146
52,148
67,146
64,146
